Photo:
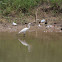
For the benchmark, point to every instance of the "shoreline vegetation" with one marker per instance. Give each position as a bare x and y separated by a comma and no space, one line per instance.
7,6
24,11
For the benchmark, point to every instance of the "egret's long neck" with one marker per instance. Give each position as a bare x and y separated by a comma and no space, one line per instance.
28,25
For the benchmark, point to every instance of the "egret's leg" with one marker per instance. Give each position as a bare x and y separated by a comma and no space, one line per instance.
24,34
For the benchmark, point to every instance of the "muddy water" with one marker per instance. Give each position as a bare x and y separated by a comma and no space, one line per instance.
35,47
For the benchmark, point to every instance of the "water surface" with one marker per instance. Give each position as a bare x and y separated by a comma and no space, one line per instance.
35,47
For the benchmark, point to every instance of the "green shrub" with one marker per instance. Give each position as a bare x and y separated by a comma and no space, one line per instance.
8,5
56,2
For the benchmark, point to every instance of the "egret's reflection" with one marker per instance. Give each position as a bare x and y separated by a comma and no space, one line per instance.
26,44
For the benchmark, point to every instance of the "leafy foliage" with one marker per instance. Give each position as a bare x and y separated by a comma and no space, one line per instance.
6,6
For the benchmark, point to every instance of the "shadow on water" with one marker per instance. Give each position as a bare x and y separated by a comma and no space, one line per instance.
35,47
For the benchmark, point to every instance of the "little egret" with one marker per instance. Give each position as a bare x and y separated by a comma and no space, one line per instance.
14,24
39,24
25,29
42,20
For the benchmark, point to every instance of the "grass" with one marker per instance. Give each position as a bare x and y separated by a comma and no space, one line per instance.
6,6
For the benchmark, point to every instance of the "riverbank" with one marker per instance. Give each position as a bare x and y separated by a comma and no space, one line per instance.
49,28
53,19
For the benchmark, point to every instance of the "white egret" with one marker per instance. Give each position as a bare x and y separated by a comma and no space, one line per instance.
39,25
14,24
25,29
42,20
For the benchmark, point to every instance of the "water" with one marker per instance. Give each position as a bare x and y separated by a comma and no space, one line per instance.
35,47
